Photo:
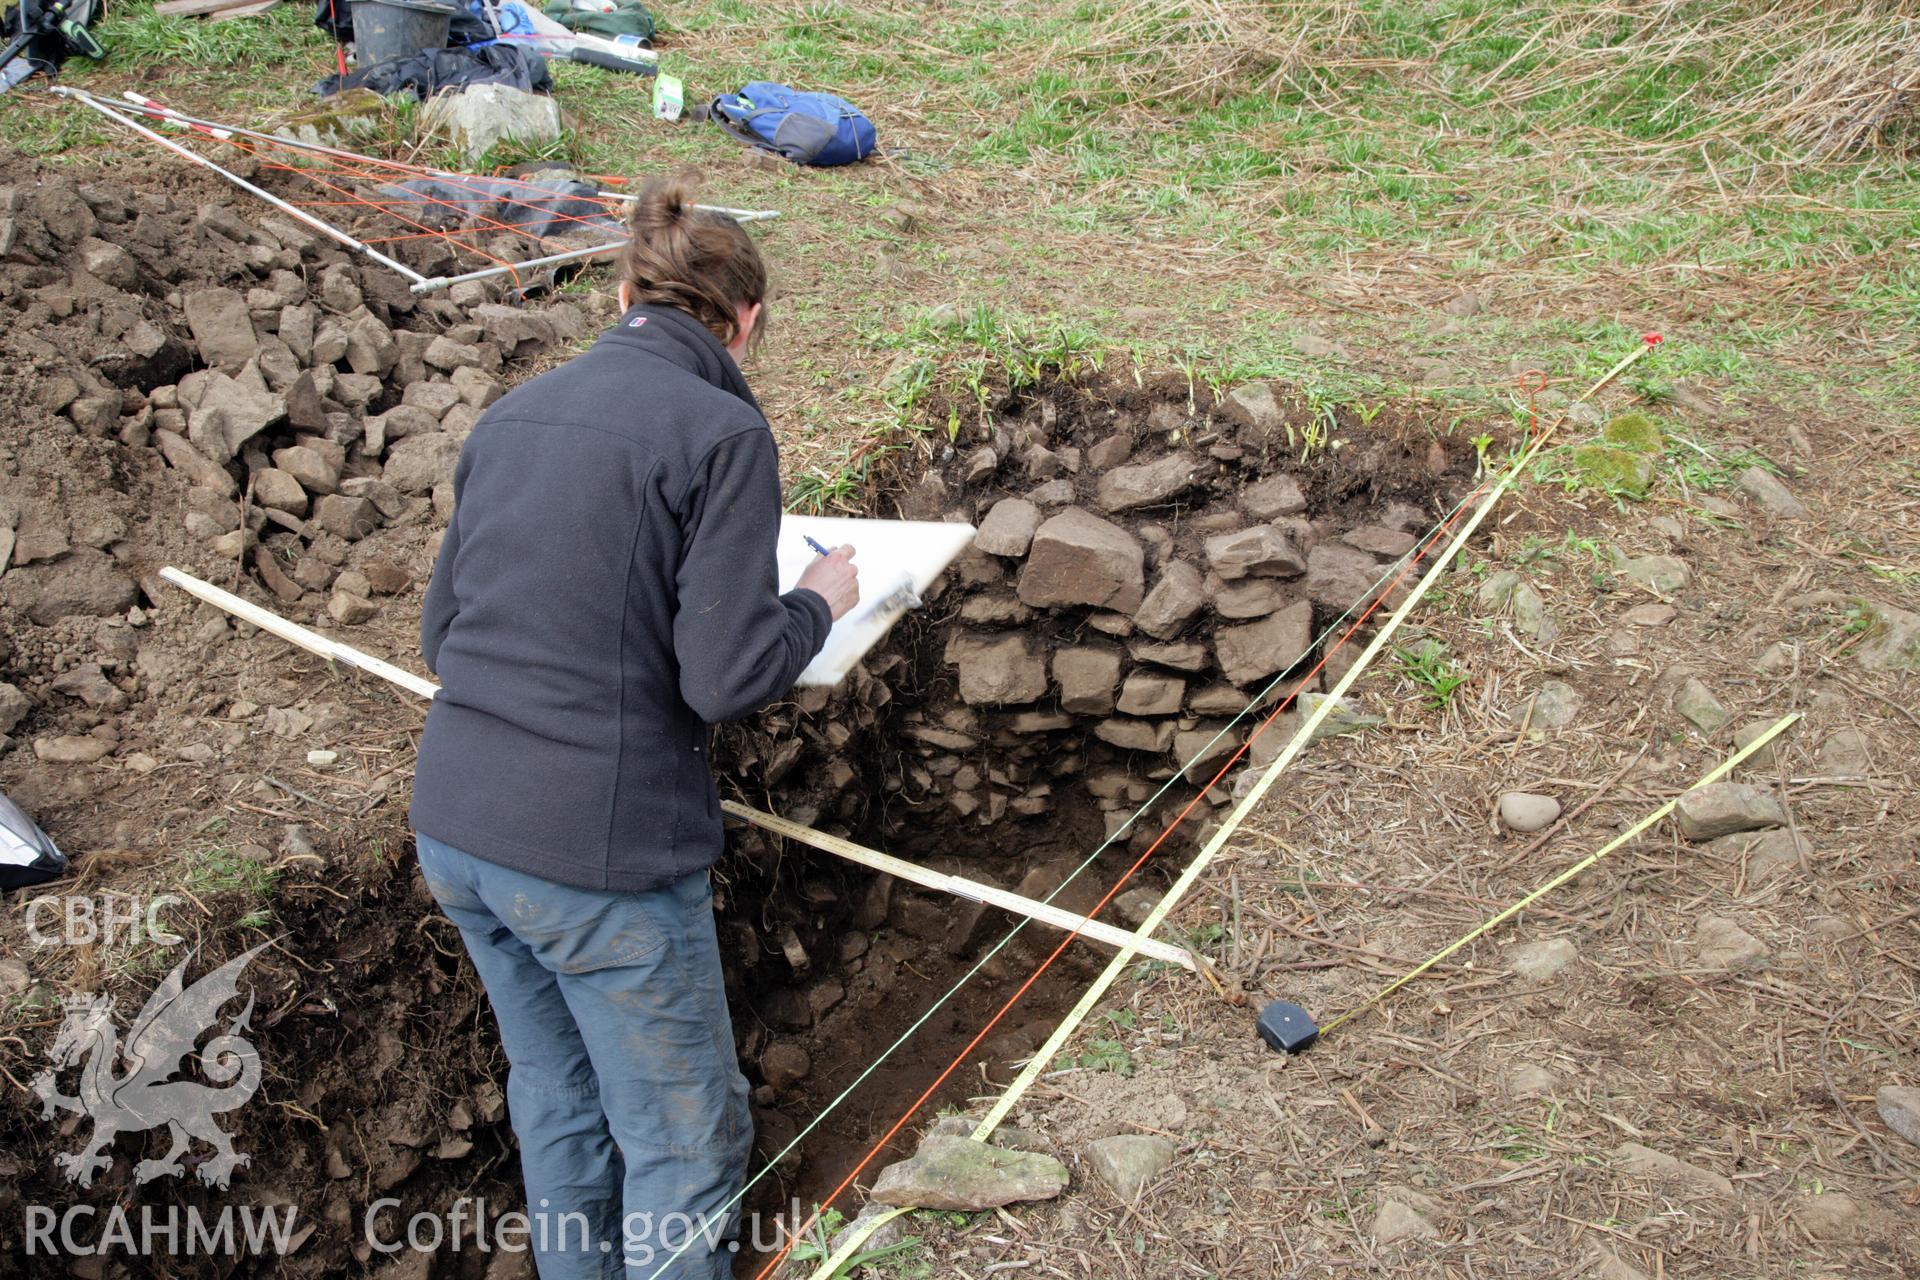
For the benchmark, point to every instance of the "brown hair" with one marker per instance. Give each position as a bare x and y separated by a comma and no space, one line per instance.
703,263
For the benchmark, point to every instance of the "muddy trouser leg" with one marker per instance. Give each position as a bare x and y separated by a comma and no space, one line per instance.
568,1159
622,992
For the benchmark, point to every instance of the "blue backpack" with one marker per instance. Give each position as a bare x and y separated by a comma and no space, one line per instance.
806,128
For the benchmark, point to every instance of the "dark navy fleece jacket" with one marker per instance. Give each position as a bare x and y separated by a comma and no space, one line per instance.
605,592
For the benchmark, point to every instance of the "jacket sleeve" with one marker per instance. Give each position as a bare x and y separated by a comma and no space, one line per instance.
439,608
739,642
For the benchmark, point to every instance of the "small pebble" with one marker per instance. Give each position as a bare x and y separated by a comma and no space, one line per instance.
1525,812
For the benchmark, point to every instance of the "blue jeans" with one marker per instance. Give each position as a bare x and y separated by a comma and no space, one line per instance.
624,1088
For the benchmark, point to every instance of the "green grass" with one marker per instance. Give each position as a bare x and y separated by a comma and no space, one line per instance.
218,870
1103,1053
903,1258
1077,177
142,38
1432,672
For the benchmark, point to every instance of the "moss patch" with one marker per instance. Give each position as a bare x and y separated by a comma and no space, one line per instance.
1602,466
1635,432
340,120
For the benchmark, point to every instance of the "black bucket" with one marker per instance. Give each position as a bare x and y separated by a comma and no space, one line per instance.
386,29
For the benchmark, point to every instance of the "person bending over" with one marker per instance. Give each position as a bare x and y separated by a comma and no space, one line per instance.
605,592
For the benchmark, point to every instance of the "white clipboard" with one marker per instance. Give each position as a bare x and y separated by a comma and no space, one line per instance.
897,559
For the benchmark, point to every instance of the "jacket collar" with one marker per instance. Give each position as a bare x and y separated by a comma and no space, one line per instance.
676,337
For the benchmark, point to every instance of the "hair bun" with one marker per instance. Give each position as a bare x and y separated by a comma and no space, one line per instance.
682,256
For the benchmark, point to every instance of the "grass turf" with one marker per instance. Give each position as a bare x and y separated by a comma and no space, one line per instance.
1234,190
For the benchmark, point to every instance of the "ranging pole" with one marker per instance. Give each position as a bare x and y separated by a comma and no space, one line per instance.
959,886
325,228
419,283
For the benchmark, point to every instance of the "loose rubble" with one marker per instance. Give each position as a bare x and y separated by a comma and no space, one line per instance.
1724,808
1661,1167
1127,1162
965,1174
306,404
1526,813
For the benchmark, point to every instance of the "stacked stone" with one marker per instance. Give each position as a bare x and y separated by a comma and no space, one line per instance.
1115,617
309,403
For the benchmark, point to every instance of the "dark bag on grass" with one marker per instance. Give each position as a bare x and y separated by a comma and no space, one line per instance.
626,18
429,71
27,856
47,49
806,128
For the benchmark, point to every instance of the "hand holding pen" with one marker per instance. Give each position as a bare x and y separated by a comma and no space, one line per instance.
833,578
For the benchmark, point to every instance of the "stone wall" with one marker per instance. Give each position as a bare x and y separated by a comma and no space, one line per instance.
1141,574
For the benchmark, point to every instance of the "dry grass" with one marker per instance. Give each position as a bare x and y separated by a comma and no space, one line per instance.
1853,91
1208,50
1507,1111
1826,79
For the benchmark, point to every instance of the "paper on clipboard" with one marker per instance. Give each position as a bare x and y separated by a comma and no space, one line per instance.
897,559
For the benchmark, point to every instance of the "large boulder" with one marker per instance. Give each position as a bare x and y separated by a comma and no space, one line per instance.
1255,408
279,491
1339,576
1127,1162
1151,693
370,345
397,423
481,116
1725,808
965,1174
314,469
232,411
345,516
1176,599
1262,551
1086,675
1079,559
1893,639
1130,734
1146,484
1009,528
199,469
222,328
84,582
997,670
519,332
1899,1107
1272,498
418,463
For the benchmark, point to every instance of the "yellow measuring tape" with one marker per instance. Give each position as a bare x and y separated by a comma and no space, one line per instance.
1047,1053
1718,772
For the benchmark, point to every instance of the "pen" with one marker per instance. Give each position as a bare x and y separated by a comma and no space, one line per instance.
818,549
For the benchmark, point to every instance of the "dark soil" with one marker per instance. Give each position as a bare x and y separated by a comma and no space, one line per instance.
382,1076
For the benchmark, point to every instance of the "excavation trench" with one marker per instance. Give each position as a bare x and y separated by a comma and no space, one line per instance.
1145,568
1142,575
